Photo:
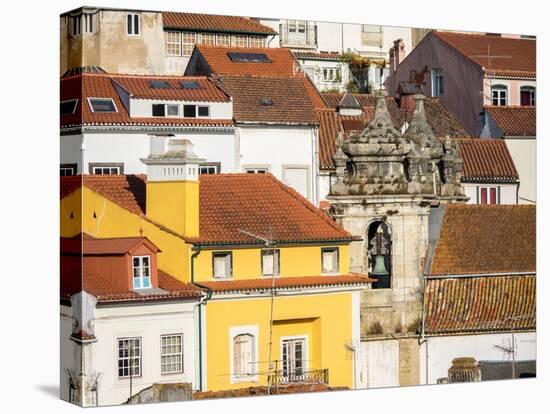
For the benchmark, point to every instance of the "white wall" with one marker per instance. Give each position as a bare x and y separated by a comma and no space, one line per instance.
278,147
442,351
149,322
70,150
382,363
144,107
508,192
318,66
524,154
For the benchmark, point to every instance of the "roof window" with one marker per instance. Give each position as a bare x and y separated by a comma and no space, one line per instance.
248,57
102,105
68,107
160,84
190,85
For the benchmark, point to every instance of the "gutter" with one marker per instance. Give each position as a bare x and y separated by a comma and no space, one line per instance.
435,277
202,302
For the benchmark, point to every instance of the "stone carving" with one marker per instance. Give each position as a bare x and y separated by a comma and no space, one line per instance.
380,160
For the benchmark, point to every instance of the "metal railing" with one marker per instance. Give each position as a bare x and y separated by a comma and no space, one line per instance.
317,376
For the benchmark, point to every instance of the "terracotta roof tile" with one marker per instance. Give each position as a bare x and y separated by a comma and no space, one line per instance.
512,57
285,100
281,62
480,239
93,246
257,203
458,305
515,120
329,128
214,23
99,85
228,286
487,159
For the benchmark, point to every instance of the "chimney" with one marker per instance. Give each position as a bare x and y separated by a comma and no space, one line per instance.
392,59
173,185
398,51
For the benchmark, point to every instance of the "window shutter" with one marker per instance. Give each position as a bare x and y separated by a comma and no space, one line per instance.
493,195
483,195
236,356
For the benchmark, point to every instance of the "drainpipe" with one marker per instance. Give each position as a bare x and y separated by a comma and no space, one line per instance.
202,302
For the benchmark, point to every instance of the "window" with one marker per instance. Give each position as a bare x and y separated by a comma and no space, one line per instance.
173,43
204,111
437,82
256,170
222,265
129,357
527,96
329,260
76,22
132,24
102,104
208,38
210,168
171,354
67,169
248,57
488,195
142,272
68,107
243,355
256,41
188,40
331,74
223,40
293,358
166,110
187,84
88,23
240,40
270,262
106,168
499,95
189,111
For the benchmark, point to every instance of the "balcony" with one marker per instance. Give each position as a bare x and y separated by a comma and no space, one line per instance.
298,34
318,376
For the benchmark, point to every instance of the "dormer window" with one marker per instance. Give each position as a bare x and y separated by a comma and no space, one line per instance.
195,111
222,265
166,110
141,272
102,105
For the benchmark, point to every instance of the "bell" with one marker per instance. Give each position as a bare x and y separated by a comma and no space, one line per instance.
379,266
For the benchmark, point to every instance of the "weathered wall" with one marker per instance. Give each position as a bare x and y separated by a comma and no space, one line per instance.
513,85
524,153
382,363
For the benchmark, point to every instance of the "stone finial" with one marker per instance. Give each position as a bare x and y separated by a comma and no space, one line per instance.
340,160
419,130
381,128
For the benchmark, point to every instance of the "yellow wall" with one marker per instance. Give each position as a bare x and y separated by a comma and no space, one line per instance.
114,221
325,318
295,261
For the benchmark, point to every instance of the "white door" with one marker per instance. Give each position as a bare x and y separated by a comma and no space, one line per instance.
293,356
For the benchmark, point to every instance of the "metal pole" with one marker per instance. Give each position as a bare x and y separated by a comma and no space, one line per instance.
271,317
513,354
131,354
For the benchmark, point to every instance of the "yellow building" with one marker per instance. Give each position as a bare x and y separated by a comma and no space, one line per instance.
281,306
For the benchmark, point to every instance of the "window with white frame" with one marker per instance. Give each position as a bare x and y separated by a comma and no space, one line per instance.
133,24
256,41
102,104
173,43
499,95
129,357
329,259
170,110
437,82
208,38
256,170
210,168
76,23
243,355
196,111
171,354
106,168
293,358
270,262
331,74
240,40
527,96
141,272
67,169
488,195
223,39
88,23
222,265
188,41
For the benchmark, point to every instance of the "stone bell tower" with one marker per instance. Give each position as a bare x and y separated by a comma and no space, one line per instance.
386,185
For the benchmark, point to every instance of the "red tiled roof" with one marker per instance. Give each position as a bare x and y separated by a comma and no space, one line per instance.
481,239
329,127
515,120
290,102
458,305
93,246
99,85
214,23
487,159
227,286
306,55
281,62
510,57
140,88
316,98
256,203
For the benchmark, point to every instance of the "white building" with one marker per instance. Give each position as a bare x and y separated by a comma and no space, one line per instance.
121,334
107,121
